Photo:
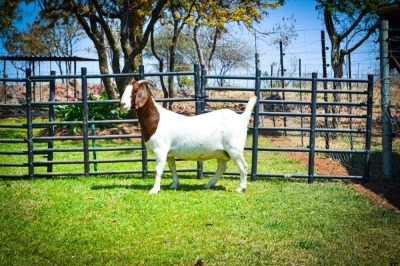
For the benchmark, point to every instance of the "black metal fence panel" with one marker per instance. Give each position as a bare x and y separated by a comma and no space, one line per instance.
318,121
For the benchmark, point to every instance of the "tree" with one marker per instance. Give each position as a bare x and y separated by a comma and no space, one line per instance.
179,13
9,14
215,15
40,40
349,24
64,39
232,54
133,20
162,52
32,41
283,34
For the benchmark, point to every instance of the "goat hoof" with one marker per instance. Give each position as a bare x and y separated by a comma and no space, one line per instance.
154,191
241,190
174,186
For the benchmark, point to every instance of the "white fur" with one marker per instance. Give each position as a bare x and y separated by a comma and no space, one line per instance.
126,98
219,135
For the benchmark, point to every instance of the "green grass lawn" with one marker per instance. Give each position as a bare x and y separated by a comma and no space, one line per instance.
114,221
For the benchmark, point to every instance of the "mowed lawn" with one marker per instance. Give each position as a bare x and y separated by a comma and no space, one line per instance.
114,221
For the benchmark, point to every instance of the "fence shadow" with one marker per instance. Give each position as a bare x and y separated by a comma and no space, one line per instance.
389,191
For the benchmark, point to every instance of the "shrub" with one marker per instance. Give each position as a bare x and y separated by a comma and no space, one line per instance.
99,111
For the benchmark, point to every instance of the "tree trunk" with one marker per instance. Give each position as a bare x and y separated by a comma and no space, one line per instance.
160,68
337,59
172,58
103,64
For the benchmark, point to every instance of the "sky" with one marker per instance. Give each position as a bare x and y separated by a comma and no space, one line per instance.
306,47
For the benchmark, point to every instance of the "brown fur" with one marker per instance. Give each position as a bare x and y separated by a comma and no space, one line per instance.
146,110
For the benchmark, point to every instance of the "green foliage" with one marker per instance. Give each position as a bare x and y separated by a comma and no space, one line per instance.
100,111
185,81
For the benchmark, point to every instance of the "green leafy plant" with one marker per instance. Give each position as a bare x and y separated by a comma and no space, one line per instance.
71,112
101,111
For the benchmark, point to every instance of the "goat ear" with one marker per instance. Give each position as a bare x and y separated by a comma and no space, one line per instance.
141,98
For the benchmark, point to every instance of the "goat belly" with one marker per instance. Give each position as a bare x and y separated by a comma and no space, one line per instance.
200,156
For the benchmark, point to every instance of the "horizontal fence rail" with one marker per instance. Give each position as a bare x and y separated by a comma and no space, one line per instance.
305,113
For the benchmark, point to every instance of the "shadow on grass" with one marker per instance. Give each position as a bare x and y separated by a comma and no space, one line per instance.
182,187
118,186
389,190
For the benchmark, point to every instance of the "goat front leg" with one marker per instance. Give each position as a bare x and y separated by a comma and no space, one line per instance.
160,164
172,167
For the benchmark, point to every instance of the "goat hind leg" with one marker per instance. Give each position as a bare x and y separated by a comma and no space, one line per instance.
172,167
220,170
241,163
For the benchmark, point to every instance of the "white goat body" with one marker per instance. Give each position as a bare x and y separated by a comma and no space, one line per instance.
219,135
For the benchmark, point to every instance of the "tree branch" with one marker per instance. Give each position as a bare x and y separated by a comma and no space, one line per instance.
361,41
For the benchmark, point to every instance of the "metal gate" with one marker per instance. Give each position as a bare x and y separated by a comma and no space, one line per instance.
296,108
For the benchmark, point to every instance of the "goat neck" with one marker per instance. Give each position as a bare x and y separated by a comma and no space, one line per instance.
148,115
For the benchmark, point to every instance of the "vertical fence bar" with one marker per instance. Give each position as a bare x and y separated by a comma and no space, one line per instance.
85,118
50,143
93,129
254,159
313,121
31,169
203,84
350,99
283,84
301,106
199,101
368,135
144,148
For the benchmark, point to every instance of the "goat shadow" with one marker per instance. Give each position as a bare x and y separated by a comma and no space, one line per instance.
146,187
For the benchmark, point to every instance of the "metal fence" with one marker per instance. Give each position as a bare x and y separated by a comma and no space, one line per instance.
301,108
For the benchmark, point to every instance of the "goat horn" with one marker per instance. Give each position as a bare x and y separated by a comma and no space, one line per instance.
147,83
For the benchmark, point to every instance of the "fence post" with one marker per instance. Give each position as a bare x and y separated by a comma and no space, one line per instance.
311,155
144,148
85,118
367,162
301,106
31,169
50,145
325,75
199,100
283,84
256,120
385,102
203,83
93,129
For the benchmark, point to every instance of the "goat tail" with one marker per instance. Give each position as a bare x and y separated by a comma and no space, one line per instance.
249,107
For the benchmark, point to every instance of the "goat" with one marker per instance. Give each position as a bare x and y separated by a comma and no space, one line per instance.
219,135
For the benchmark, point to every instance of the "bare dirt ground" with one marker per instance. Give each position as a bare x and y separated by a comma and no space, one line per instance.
380,193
